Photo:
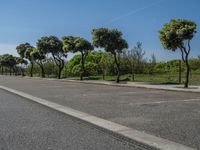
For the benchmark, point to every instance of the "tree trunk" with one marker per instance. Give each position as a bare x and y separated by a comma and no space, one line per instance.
118,68
187,72
22,72
103,75
82,67
59,72
31,71
133,73
42,71
133,77
180,72
10,71
2,70
15,71
60,67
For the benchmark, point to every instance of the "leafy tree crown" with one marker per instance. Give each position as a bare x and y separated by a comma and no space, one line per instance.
50,44
76,44
22,48
176,32
110,40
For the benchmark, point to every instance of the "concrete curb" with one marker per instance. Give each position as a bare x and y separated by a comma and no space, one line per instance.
177,89
133,86
129,135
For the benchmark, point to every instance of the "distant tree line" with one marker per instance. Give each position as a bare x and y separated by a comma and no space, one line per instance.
12,65
48,57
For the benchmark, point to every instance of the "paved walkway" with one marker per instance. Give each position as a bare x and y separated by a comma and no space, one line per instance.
172,87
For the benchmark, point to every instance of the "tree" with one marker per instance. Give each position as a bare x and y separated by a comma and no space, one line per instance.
24,51
54,46
38,58
177,34
77,44
8,61
111,41
21,61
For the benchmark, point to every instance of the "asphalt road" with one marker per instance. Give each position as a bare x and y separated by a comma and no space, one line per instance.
26,125
170,115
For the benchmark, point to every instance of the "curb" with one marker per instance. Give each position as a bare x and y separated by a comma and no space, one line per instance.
134,137
116,84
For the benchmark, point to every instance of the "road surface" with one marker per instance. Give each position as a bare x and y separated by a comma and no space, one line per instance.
25,125
171,115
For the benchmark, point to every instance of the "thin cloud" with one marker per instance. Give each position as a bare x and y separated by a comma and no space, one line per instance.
135,11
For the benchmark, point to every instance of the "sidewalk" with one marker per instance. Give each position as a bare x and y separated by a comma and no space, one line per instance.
171,87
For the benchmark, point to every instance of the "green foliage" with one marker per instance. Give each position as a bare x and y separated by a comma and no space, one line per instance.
49,44
174,33
22,48
110,40
106,64
37,55
91,69
8,60
91,65
49,68
76,44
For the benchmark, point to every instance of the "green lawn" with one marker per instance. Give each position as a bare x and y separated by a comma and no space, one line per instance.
153,78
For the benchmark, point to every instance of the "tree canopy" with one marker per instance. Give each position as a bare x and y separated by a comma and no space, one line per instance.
176,32
22,48
110,40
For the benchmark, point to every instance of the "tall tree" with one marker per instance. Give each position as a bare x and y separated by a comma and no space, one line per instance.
52,45
38,58
77,44
177,34
24,51
111,41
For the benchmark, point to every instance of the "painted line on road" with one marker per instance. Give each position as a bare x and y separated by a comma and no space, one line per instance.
129,135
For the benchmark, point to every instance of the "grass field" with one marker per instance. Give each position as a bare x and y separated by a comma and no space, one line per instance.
152,78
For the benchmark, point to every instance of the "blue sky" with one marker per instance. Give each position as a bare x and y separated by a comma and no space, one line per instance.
139,20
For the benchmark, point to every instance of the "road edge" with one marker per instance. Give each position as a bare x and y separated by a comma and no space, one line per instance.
135,137
117,84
